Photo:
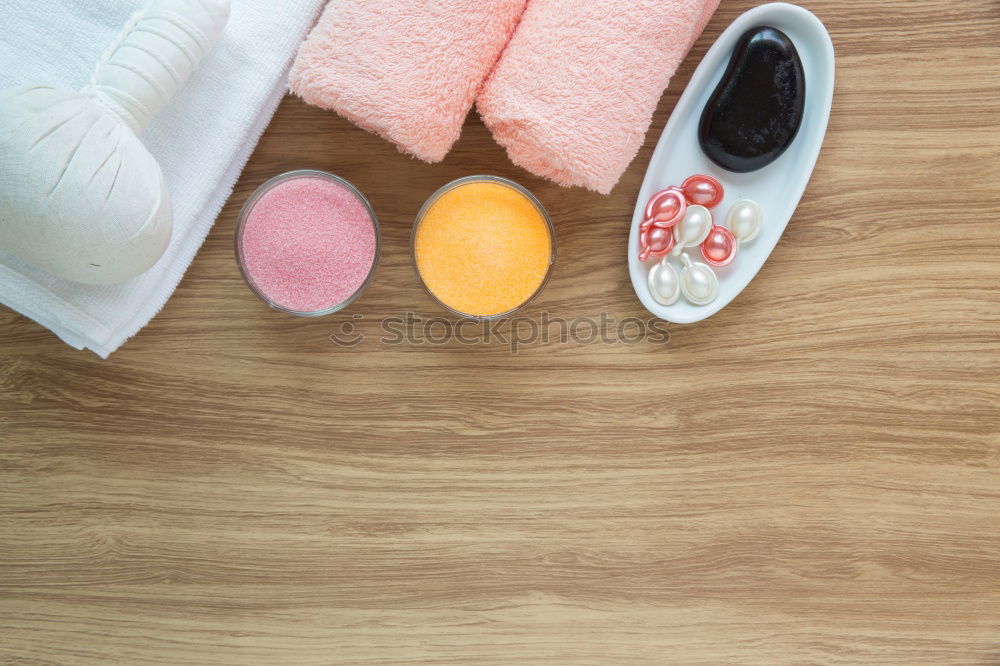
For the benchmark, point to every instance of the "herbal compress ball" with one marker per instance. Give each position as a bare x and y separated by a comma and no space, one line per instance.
80,195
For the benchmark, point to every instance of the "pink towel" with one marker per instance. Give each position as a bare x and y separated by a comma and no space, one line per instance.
573,95
408,70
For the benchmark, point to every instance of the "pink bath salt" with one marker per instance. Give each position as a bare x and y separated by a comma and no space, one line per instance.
308,244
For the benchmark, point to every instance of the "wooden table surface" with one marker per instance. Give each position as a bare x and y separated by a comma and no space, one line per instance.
810,476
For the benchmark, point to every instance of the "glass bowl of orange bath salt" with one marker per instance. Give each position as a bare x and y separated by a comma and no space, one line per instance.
483,246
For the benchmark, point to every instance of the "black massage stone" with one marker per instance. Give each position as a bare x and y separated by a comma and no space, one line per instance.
756,110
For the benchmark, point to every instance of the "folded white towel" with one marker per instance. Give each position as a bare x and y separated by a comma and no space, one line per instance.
201,139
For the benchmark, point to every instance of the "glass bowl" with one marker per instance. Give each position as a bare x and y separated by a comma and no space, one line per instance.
480,179
247,209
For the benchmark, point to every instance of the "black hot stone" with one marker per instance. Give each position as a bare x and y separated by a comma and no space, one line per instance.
755,111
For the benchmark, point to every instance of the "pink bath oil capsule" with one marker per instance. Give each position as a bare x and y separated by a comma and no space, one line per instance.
719,248
307,243
655,242
666,207
703,190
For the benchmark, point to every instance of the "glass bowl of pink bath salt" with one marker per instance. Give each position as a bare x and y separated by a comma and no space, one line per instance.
307,243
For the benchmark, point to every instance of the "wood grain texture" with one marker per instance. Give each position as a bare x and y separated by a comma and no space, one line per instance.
810,476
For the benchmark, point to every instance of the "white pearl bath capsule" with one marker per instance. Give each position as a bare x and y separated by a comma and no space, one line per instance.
694,228
745,219
664,283
699,283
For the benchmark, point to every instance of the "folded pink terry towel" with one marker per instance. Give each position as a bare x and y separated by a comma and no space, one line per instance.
573,95
408,70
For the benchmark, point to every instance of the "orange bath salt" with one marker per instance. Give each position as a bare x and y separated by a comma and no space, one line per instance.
483,248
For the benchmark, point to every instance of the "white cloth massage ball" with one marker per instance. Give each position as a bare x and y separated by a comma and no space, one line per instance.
80,195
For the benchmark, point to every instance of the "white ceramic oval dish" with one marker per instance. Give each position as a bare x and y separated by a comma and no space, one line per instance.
777,187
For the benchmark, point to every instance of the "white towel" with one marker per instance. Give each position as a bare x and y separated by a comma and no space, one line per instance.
202,139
